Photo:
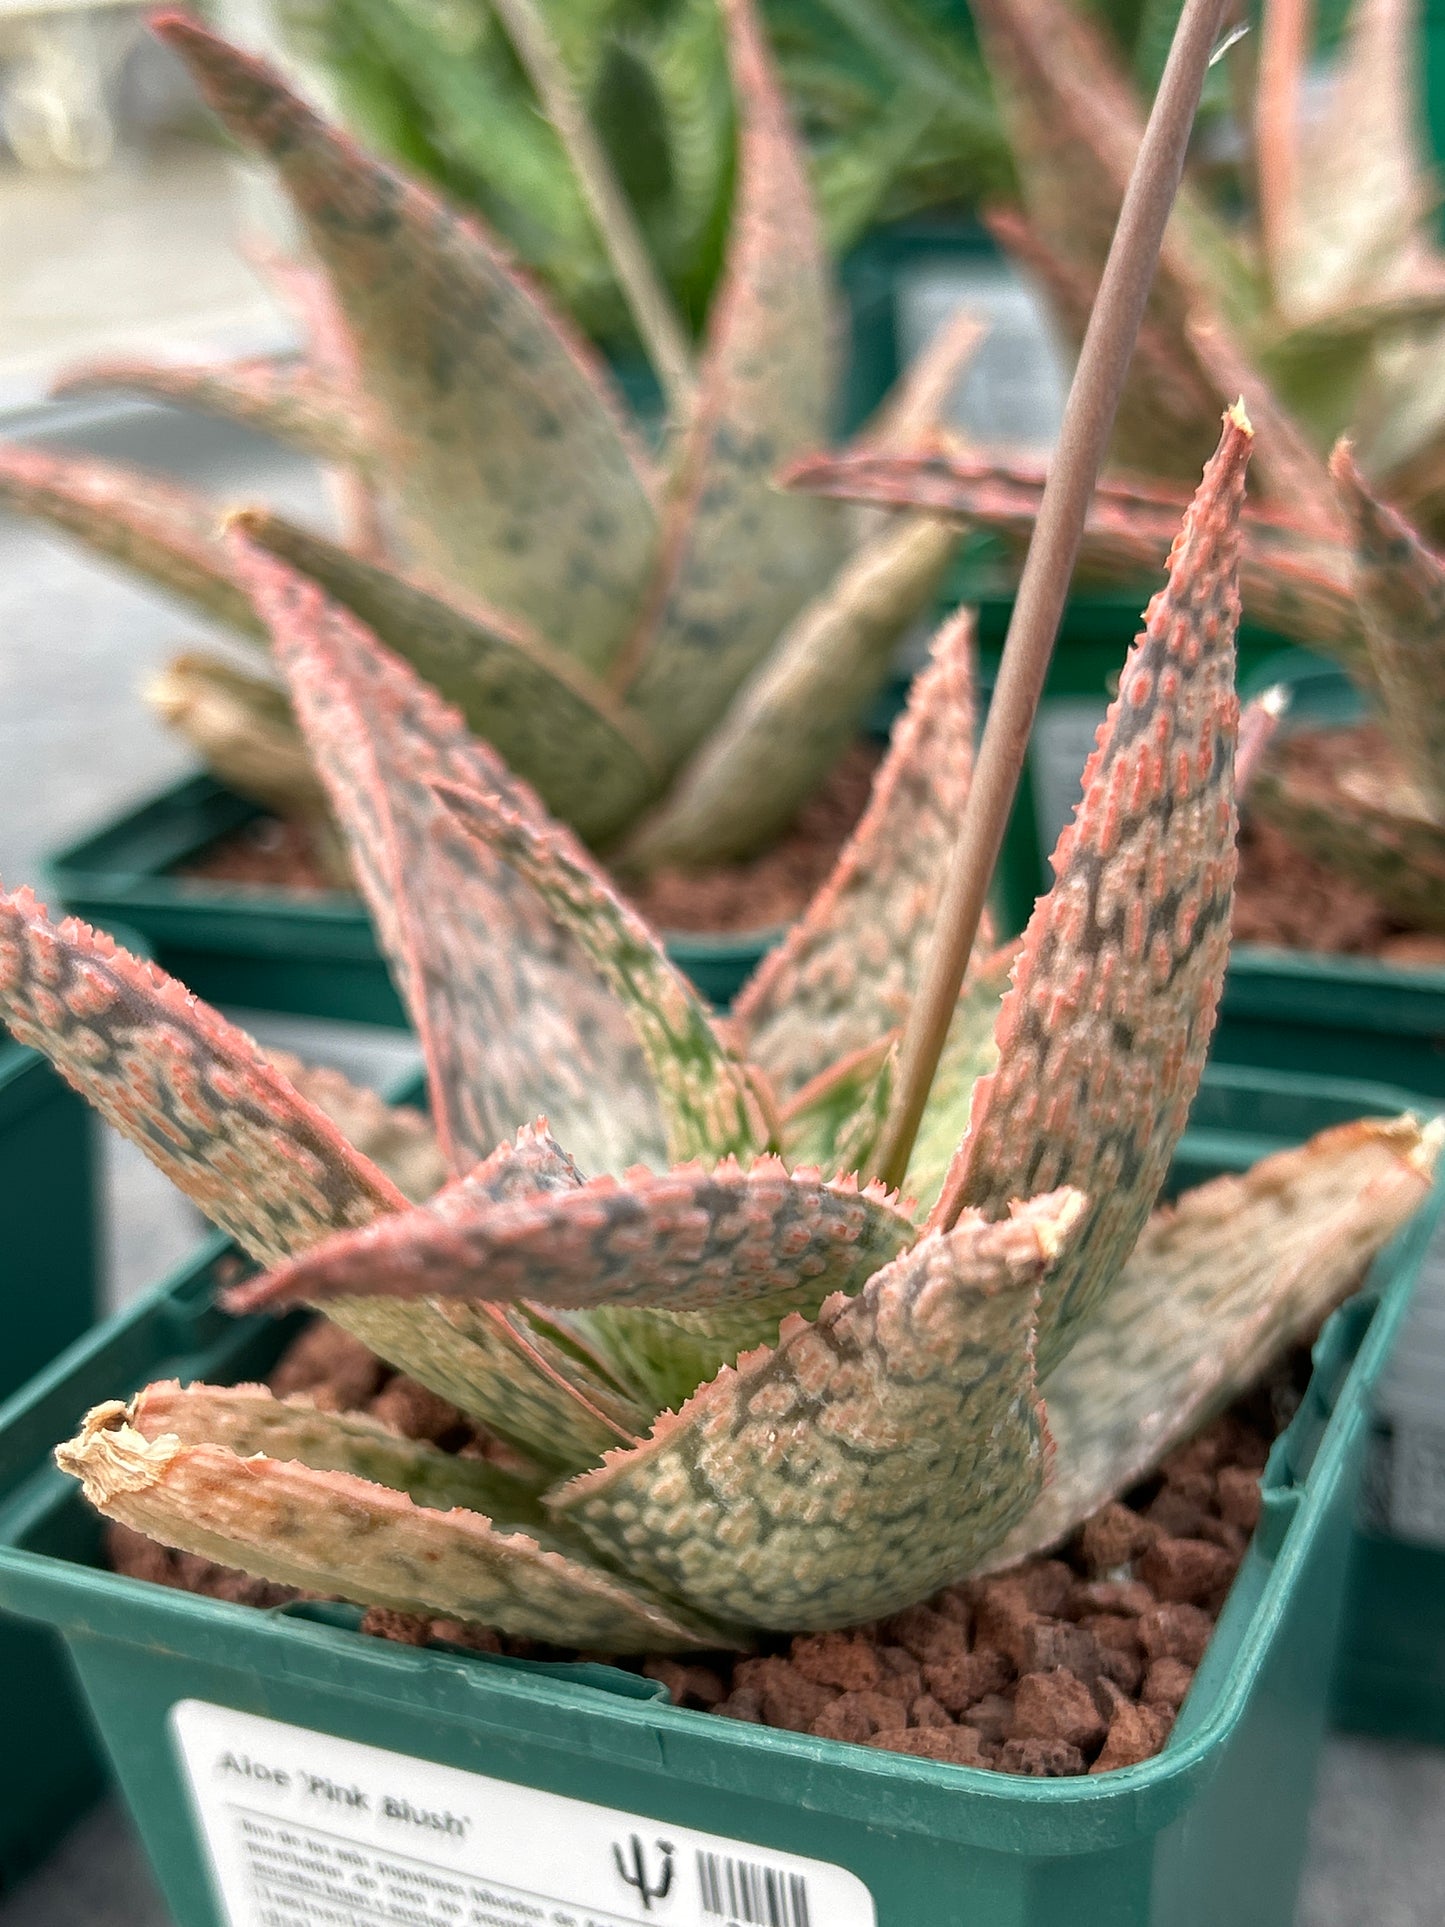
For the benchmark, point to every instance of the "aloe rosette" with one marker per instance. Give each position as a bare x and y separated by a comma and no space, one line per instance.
746,1387
634,631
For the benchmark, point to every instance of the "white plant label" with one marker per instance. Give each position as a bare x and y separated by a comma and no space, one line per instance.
305,1830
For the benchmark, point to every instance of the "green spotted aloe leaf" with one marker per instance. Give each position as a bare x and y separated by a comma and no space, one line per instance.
873,1415
754,1396
736,560
515,473
587,757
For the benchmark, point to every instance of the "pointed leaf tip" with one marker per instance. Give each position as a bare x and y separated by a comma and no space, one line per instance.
1103,1032
508,453
193,1091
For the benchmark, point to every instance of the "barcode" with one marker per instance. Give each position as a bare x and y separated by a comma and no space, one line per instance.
758,1896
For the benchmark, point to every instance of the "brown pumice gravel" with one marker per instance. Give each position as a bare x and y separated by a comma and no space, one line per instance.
1075,1663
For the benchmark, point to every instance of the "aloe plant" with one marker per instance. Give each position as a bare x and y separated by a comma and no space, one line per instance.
891,97
1324,310
637,635
750,1389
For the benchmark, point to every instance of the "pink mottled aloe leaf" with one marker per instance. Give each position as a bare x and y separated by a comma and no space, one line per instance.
544,1393
554,724
738,560
846,973
513,1018
541,1380
515,473
334,1533
864,1461
1103,1033
691,1239
1219,1285
190,1089
246,1419
1292,582
707,1097
285,398
162,532
397,1138
798,711
1400,588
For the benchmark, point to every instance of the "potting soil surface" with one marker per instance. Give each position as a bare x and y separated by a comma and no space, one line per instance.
1065,1665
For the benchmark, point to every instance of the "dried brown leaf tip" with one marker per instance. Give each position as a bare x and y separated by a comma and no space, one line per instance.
733,1388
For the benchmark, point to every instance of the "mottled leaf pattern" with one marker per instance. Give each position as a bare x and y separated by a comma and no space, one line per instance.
738,560
706,1097
513,1019
288,399
1290,581
496,1366
153,527
1103,1033
514,471
1400,587
836,1119
688,1238
873,1456
539,1382
331,1532
799,710
190,1089
397,1138
246,1419
546,717
1218,1286
845,974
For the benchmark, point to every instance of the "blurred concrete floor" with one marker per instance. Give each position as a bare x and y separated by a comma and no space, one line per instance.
77,742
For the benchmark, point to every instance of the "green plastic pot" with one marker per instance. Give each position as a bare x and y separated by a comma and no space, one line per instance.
1213,1829
48,1298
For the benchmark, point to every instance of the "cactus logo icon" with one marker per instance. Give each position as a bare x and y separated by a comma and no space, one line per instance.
633,1870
